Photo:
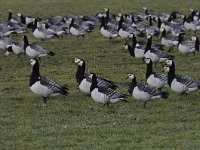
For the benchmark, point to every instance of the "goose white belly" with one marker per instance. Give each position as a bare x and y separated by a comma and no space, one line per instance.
166,42
178,87
30,52
74,31
155,82
16,49
107,34
140,95
139,53
38,34
183,49
153,56
40,90
123,34
85,86
99,97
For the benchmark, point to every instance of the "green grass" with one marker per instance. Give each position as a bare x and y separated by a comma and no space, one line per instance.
77,122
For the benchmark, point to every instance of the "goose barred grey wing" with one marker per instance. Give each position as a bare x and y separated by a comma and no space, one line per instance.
161,76
111,93
53,85
150,90
188,81
39,49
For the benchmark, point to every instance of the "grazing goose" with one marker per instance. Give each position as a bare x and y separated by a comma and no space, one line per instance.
144,92
34,50
16,47
189,46
179,83
107,30
104,95
41,33
85,82
154,79
44,86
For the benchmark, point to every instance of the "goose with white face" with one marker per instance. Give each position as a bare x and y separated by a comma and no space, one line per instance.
77,60
32,62
169,62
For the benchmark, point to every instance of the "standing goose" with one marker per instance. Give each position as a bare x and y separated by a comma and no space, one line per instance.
104,95
34,50
85,82
153,30
179,83
154,79
189,46
41,33
44,86
144,92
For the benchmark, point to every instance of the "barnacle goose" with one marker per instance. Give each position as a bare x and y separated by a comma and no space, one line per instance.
85,82
154,79
25,19
41,33
144,92
107,30
189,46
44,86
155,55
191,24
179,83
6,30
103,94
34,50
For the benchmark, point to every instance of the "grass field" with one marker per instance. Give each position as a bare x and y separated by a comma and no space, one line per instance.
77,122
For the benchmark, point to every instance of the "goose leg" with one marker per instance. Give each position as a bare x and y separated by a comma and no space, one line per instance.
45,100
144,106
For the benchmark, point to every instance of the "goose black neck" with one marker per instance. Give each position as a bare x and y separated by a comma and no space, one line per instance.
35,74
26,42
103,22
72,23
197,44
120,24
132,85
134,40
163,33
80,73
149,70
94,83
9,16
148,46
107,15
171,74
150,21
131,50
23,19
159,22
34,25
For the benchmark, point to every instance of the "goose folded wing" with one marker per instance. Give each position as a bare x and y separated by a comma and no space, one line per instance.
45,31
188,81
161,76
39,49
112,94
52,85
148,89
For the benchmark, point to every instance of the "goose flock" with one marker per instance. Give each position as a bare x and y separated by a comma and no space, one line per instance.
170,29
